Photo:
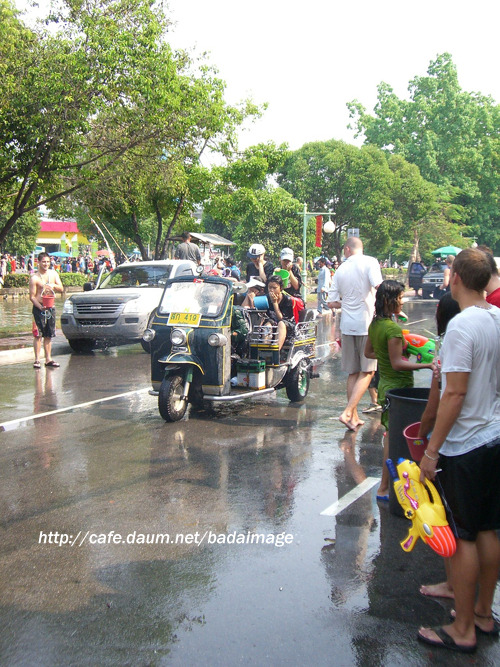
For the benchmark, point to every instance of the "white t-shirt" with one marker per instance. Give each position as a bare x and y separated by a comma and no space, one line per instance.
472,345
354,282
323,278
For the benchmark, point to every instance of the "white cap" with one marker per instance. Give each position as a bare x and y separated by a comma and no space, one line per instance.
287,253
255,282
256,250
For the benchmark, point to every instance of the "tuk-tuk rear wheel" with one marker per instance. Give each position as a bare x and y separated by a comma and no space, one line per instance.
170,404
298,384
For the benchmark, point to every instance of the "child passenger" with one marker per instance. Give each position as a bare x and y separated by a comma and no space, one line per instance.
385,344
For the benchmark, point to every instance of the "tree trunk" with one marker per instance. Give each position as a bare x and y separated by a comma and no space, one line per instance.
415,254
172,224
138,239
159,232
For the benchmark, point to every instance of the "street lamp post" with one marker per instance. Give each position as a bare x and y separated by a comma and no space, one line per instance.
328,228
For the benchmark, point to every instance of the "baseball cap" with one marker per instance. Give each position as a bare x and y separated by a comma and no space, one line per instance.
256,250
287,253
255,282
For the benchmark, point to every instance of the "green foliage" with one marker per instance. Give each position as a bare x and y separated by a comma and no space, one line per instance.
74,279
354,184
21,240
453,137
99,84
16,280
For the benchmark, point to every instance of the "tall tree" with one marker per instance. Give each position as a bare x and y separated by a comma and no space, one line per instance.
102,82
353,184
453,136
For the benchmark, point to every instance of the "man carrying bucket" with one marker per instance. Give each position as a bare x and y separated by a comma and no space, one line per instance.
43,286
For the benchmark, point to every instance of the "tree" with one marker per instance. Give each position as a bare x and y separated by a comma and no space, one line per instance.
453,137
21,240
105,84
247,207
353,184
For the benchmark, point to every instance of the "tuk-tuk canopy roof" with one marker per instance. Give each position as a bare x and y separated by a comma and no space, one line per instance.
214,239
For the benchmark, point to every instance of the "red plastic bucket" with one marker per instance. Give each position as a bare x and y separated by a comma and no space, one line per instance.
48,297
417,445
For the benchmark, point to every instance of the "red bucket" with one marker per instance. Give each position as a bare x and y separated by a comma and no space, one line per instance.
48,297
417,445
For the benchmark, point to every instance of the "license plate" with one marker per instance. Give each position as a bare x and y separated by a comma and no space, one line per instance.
186,319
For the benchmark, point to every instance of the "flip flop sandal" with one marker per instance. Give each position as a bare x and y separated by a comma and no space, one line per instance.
37,365
446,641
52,364
494,632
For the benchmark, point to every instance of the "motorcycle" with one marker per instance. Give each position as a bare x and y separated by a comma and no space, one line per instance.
206,348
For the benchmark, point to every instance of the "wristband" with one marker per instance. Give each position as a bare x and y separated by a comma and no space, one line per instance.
432,458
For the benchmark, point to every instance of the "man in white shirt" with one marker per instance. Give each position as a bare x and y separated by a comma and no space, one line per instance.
324,279
353,289
465,444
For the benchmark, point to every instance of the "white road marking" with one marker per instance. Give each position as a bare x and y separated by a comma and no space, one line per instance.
15,422
409,324
351,497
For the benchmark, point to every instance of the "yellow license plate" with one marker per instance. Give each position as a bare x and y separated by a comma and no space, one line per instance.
186,319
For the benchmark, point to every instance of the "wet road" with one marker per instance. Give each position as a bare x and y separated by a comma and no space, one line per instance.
110,475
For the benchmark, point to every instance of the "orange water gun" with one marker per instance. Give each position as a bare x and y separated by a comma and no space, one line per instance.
420,346
422,504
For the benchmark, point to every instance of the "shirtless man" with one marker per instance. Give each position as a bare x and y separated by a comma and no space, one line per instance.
45,318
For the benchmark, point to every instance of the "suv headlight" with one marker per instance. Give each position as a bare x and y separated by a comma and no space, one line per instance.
132,306
68,307
178,337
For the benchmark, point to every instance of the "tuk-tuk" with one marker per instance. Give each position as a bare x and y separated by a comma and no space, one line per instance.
195,356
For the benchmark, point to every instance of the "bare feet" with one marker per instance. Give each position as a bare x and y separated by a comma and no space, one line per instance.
348,423
442,590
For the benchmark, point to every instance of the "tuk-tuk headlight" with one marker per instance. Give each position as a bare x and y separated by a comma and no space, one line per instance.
217,340
178,337
148,335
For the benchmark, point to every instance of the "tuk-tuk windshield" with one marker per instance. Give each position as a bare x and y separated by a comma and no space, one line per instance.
193,297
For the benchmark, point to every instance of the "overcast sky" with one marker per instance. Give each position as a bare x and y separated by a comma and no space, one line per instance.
307,59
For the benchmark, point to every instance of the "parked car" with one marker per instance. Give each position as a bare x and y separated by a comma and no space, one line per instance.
121,307
432,280
415,274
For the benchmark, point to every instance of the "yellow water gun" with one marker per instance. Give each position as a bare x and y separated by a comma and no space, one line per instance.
422,504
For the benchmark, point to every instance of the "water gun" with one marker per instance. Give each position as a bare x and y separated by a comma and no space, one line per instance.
420,346
422,504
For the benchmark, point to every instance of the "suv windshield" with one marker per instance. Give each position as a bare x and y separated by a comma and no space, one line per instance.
196,297
137,276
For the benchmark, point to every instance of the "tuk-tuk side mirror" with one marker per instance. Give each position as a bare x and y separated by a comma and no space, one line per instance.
199,269
239,288
88,287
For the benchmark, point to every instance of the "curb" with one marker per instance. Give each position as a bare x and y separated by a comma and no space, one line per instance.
21,355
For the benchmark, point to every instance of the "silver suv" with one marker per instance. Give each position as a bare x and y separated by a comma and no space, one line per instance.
121,307
432,280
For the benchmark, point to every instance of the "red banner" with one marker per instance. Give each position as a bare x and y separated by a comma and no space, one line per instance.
319,231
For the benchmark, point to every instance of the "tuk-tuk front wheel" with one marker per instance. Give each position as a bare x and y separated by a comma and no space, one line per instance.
171,405
298,384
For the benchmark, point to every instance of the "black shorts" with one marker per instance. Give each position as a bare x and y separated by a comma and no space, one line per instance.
471,485
45,321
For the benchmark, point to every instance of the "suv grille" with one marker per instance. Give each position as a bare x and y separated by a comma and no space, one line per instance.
98,308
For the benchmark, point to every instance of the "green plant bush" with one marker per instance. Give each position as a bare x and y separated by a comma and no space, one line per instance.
73,279
16,280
